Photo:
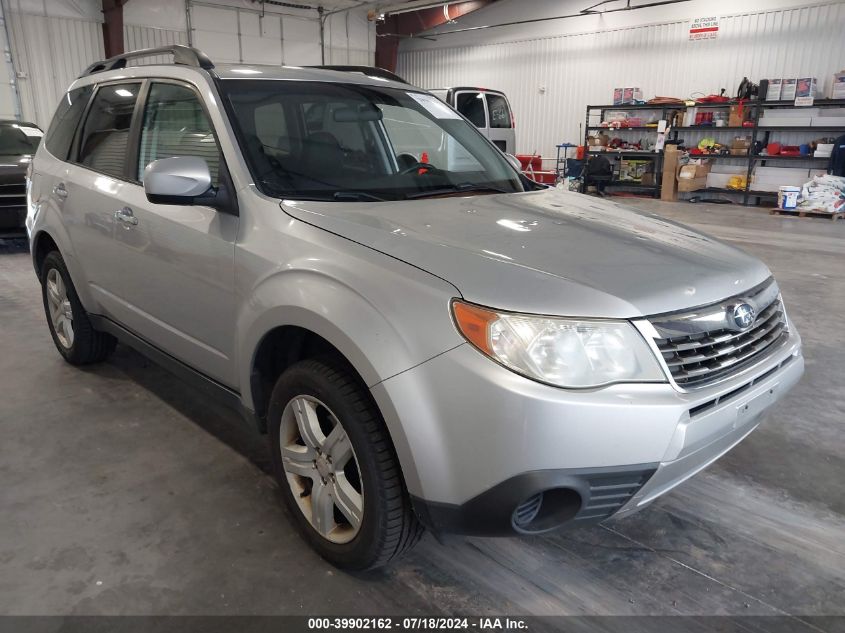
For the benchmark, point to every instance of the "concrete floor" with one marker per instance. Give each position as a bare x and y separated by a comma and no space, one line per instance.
125,492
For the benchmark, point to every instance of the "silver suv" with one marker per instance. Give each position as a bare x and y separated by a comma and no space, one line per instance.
428,338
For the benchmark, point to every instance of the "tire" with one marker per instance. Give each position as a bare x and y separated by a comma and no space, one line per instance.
329,393
74,336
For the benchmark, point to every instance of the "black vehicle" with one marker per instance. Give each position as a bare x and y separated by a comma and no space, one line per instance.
18,142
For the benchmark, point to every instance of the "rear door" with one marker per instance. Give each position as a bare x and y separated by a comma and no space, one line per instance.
92,189
500,122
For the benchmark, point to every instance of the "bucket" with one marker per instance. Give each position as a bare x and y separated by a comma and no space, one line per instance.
788,197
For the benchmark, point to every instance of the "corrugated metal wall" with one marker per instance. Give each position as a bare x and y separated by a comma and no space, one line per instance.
135,37
50,52
232,34
549,81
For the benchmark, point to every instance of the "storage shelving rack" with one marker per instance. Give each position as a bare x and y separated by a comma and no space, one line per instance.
599,110
758,132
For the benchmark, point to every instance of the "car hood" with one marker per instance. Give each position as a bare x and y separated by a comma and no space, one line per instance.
13,168
547,252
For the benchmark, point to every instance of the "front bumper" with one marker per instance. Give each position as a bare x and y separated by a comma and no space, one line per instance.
476,440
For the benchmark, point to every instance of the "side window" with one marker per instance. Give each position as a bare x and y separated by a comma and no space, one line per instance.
500,113
105,138
176,125
471,105
63,126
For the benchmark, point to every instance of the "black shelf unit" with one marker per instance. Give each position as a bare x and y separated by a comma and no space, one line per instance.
599,110
757,132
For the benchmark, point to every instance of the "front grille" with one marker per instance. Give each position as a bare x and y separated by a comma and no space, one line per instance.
13,196
609,492
708,353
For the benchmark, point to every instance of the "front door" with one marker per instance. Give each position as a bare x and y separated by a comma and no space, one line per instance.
177,261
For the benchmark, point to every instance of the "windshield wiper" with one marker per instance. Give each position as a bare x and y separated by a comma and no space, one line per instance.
357,196
464,187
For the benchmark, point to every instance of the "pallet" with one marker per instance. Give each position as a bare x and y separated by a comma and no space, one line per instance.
798,213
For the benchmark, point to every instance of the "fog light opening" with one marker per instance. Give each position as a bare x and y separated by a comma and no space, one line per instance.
546,510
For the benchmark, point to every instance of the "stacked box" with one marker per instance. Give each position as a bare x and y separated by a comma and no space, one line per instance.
787,91
773,93
837,87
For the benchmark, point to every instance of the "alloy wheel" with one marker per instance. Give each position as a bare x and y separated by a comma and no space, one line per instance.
61,311
321,468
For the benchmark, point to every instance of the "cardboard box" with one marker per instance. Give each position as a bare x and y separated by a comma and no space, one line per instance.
692,170
741,142
787,91
773,93
692,177
669,185
598,141
737,117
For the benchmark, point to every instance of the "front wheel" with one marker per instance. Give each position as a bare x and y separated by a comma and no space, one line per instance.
337,468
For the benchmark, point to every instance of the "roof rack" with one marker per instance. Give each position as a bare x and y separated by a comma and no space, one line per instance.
370,71
181,55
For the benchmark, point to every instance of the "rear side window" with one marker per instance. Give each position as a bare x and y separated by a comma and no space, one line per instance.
66,120
175,124
105,139
471,105
500,113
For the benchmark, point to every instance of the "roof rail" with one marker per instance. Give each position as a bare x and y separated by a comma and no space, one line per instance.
370,71
181,55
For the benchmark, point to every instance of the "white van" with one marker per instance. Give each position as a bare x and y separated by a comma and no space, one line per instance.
488,110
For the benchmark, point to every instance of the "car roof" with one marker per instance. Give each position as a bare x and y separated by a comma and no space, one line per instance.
251,71
304,73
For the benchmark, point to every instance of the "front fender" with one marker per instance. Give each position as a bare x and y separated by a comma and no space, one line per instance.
384,321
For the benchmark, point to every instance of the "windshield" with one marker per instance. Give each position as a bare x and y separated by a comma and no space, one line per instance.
329,141
17,139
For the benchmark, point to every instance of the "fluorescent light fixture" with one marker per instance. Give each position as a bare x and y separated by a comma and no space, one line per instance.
123,92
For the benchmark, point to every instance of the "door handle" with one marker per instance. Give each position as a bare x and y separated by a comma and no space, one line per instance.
126,216
60,191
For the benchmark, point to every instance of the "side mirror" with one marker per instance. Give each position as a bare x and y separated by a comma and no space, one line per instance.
178,180
514,161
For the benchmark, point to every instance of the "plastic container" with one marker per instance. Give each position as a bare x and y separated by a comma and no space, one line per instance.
788,197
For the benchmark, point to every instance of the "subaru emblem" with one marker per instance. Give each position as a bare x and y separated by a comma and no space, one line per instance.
743,316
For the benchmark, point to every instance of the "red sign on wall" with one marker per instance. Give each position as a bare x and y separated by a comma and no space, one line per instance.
704,28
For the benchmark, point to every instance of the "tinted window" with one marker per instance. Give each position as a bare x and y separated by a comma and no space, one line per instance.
66,120
500,113
105,140
175,124
17,139
471,105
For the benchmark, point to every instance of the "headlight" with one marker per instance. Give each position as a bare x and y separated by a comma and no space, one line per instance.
573,353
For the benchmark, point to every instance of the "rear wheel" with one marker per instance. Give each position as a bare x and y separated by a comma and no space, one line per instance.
74,336
336,466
